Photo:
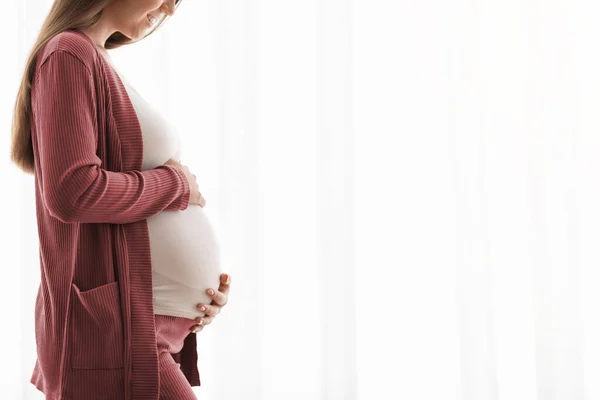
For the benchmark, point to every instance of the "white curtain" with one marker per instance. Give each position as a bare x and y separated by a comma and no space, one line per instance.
406,193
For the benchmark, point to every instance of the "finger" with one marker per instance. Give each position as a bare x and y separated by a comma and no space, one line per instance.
203,321
196,328
224,284
218,297
209,309
226,279
207,320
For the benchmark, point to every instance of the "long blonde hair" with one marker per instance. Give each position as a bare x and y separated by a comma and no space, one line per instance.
64,15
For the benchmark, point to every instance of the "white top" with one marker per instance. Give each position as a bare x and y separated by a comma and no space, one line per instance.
185,250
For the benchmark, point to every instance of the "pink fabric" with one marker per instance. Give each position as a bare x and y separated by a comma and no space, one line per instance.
94,314
170,334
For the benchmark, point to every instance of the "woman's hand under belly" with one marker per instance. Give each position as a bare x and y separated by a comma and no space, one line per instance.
185,260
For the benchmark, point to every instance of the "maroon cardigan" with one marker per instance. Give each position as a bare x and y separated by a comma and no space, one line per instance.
94,313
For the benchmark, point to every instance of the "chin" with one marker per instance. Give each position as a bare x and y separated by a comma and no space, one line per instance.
137,33
135,36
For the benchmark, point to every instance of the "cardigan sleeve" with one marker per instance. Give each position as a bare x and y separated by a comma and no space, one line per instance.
75,188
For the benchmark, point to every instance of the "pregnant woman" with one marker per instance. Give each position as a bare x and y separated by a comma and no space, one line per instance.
130,266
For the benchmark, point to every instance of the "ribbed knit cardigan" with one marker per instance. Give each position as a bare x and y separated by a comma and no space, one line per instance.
94,319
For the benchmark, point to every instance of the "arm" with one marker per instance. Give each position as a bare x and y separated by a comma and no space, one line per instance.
75,188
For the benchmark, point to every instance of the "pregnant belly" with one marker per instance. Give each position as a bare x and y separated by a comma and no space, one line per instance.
185,261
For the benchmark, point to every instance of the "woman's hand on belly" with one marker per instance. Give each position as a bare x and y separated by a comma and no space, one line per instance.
195,195
219,297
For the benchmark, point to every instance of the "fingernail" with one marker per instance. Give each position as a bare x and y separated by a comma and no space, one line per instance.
228,279
210,292
202,308
201,322
199,306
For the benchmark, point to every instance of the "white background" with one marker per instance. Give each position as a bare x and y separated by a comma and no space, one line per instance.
406,194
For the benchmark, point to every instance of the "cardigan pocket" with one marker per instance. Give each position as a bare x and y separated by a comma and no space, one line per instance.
96,328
